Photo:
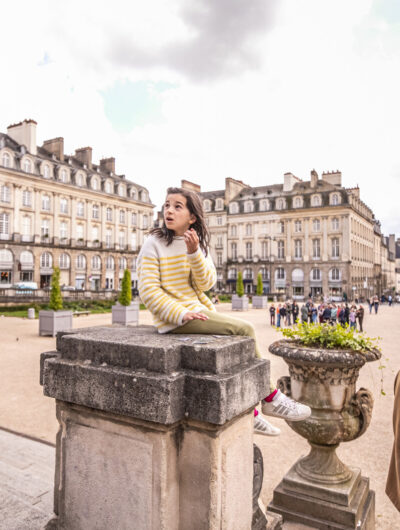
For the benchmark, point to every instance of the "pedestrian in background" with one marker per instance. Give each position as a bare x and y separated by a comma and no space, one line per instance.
360,317
272,312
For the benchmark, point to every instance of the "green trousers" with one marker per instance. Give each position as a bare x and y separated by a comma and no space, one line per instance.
220,324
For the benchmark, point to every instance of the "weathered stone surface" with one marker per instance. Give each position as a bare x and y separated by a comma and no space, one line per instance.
135,372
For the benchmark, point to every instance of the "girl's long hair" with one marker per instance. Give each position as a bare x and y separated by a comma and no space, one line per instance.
195,207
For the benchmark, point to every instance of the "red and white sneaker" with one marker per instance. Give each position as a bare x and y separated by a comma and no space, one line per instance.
262,426
285,407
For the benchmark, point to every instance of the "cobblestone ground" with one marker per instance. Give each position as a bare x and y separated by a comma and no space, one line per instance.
24,409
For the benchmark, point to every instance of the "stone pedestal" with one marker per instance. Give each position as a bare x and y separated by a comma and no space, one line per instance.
125,315
51,322
156,432
260,302
240,303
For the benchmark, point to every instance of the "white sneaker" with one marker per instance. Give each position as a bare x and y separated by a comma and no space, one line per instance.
262,426
284,407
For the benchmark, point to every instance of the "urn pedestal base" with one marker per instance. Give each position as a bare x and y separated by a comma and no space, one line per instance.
346,506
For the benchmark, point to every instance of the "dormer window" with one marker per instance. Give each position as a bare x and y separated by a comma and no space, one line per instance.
46,171
64,175
264,206
280,204
94,184
298,202
248,206
121,191
233,207
335,199
316,200
207,205
219,204
6,160
27,166
108,187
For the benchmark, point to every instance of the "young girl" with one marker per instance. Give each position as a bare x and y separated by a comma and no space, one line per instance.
175,268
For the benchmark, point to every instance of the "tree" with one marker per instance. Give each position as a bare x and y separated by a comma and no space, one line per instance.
56,302
239,285
260,286
125,296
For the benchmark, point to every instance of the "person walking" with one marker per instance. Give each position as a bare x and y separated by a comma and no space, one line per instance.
282,312
272,312
370,304
346,313
352,317
376,303
304,313
360,317
278,316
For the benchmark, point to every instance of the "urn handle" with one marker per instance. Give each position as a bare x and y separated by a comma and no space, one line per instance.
284,386
362,403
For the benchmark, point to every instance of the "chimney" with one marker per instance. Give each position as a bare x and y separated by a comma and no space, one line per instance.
187,185
107,165
332,177
232,188
314,178
289,181
55,147
84,155
24,133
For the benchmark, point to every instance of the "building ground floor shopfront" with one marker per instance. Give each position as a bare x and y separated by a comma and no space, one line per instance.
80,269
292,280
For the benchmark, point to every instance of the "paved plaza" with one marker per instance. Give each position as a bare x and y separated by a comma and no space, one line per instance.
26,464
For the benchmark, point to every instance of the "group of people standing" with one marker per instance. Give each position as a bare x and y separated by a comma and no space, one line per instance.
289,313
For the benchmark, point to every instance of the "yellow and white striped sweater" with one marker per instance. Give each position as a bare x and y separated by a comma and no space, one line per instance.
171,281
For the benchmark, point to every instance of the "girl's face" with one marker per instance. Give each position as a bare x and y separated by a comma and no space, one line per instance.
177,216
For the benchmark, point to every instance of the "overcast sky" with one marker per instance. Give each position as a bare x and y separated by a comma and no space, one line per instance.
208,89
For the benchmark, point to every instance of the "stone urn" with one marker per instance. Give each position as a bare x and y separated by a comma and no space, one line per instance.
326,381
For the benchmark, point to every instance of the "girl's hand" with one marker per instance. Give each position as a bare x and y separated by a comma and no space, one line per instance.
194,316
192,240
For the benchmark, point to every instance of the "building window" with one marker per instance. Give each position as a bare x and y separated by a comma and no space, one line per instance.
64,261
249,250
80,179
26,226
4,224
95,211
335,274
80,209
145,222
264,250
108,187
248,274
280,204
316,225
122,216
335,247
233,230
316,274
264,274
281,227
281,249
298,248
219,241
121,239
219,204
297,226
110,263
63,230
63,206
44,228
335,223
316,200
219,220
248,206
316,248
46,203
108,238
219,259
46,171
133,241
133,193
335,199
134,264
234,207
232,274
79,232
96,263
280,273
94,184
6,160
264,206
207,205
121,191
249,229
27,166
46,260
298,202
109,214
26,198
234,250
81,261
95,233
5,194
134,219
63,175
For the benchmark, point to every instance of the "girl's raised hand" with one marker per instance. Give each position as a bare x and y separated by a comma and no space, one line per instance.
194,316
192,240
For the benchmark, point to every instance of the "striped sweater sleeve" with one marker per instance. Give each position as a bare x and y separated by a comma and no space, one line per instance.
152,294
203,270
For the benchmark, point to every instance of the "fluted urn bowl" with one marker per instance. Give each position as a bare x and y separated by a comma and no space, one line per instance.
325,380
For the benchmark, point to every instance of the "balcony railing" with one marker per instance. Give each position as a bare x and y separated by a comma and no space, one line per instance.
26,239
5,237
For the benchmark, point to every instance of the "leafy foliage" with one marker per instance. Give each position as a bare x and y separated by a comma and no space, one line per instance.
260,286
125,296
239,285
56,302
330,337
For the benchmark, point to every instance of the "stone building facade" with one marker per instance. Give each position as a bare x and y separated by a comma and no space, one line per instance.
66,211
304,237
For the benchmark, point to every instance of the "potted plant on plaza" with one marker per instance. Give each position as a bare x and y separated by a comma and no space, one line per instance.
55,319
125,311
324,362
260,301
240,301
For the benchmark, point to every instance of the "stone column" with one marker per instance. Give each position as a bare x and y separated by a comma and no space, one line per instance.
306,239
325,249
156,431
